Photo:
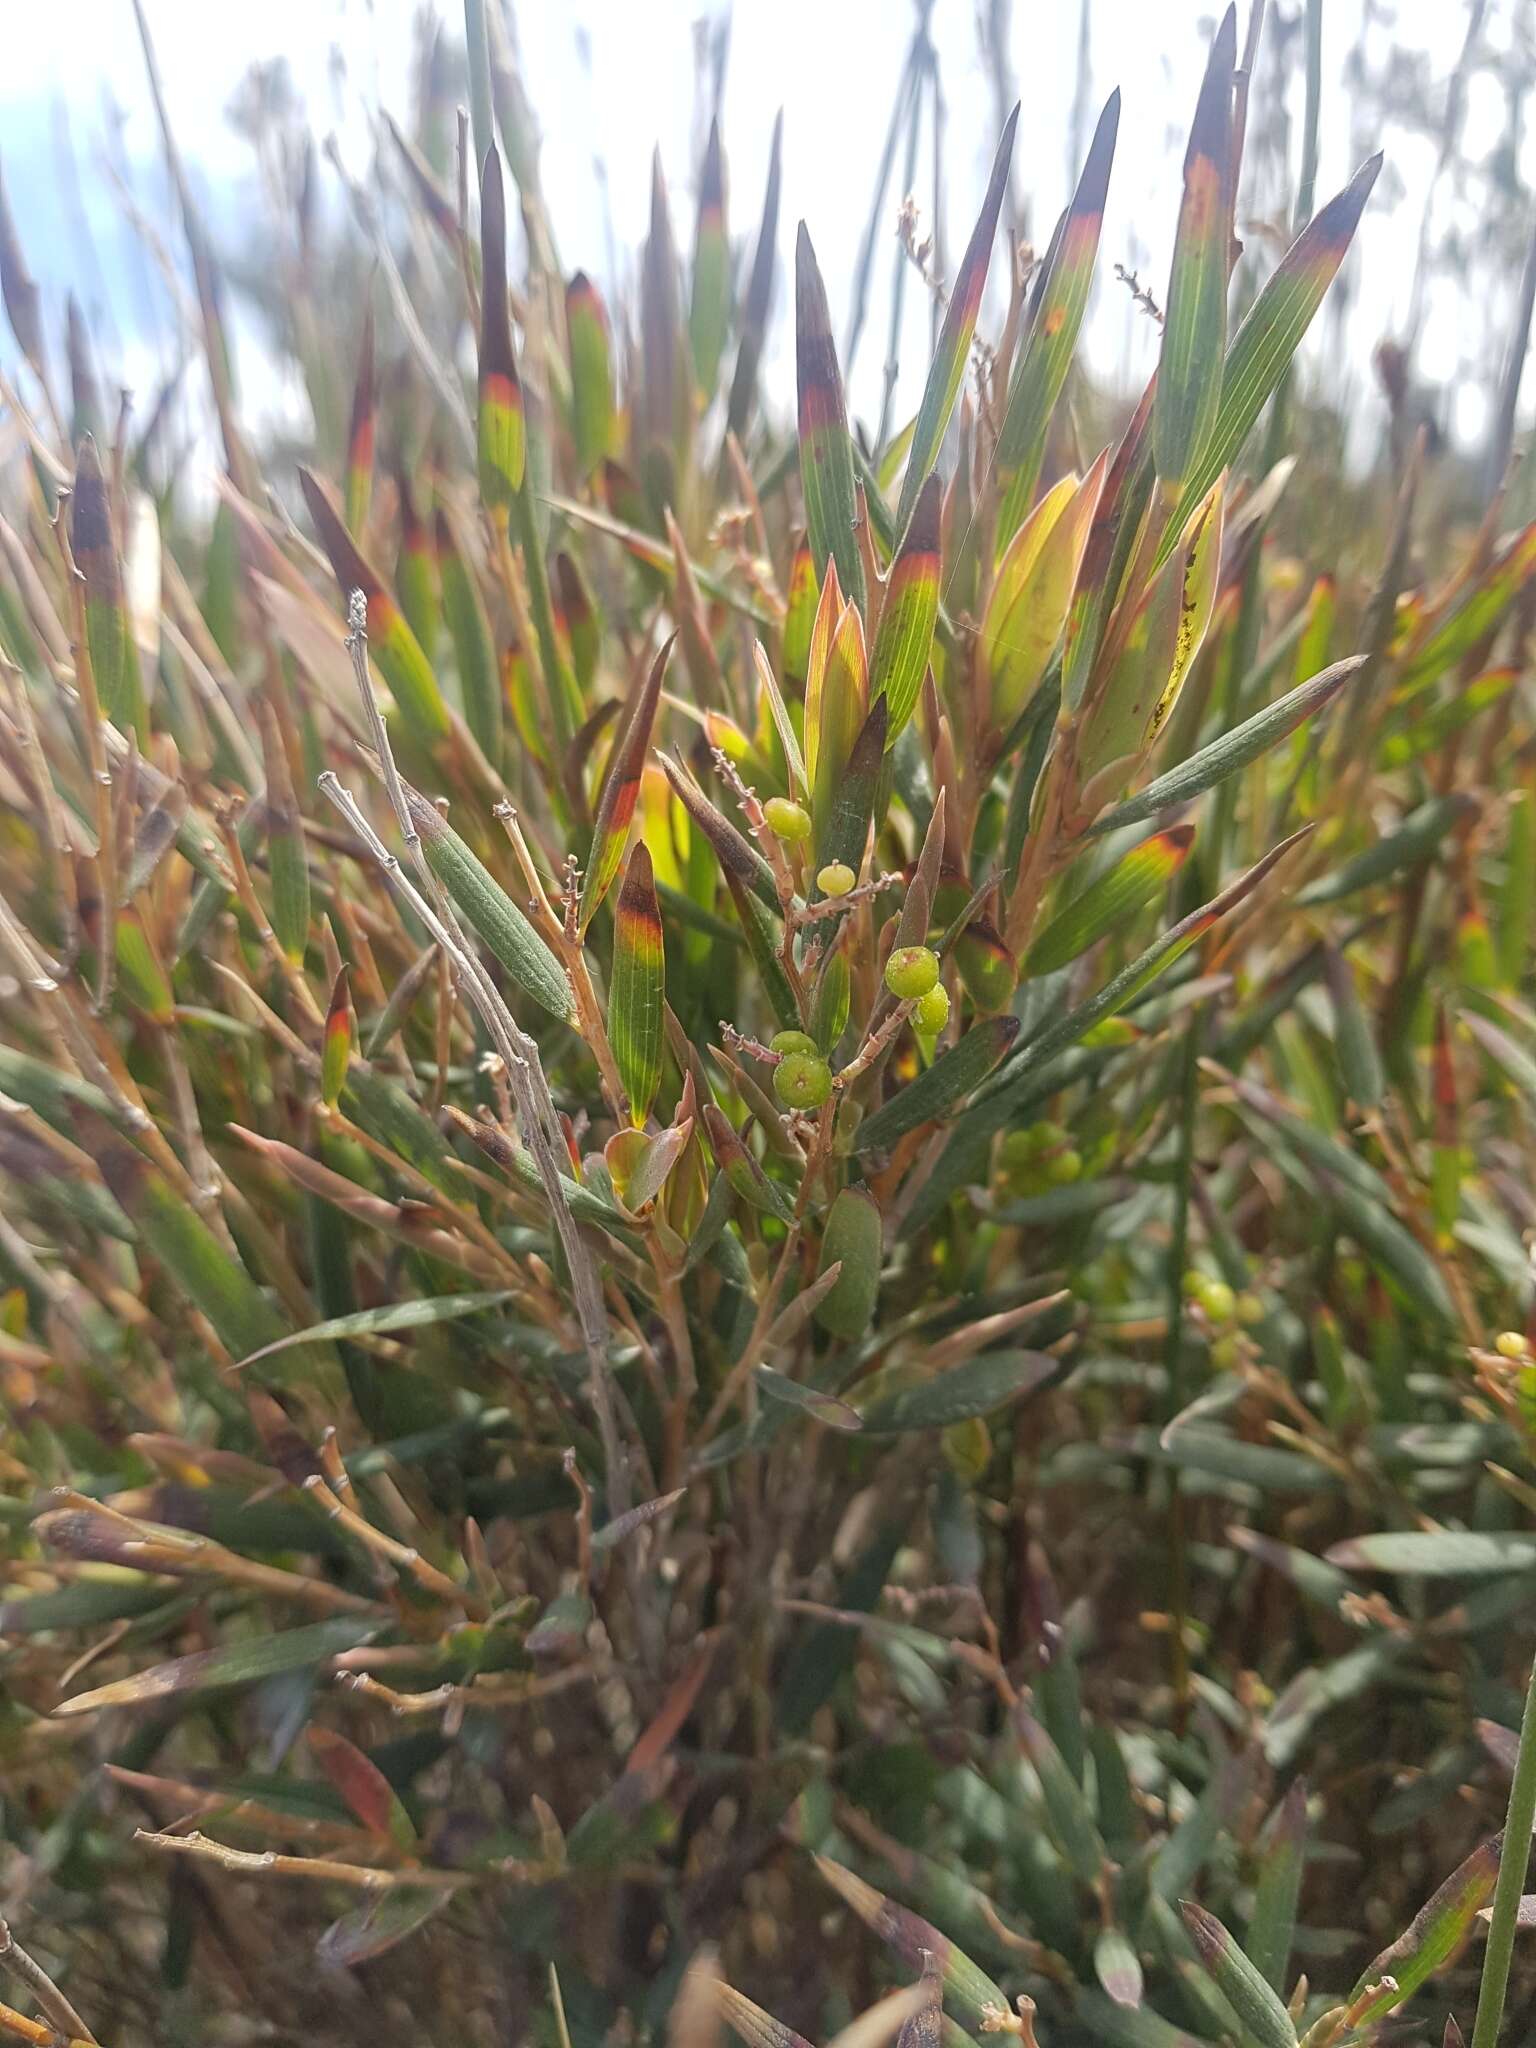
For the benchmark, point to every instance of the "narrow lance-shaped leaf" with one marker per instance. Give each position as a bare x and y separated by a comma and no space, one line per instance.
1124,715
840,712
947,370
1271,332
392,644
994,1110
1434,1938
1234,750
621,790
1272,1923
966,1985
1136,879
954,1075
710,303
586,328
480,899
637,986
1258,2006
1195,326
1475,616
1031,596
500,435
904,637
826,452
425,1312
1056,316
1413,841
231,1665
757,2028
336,1048
662,404
361,432
754,322
114,657
287,862
468,628
363,1786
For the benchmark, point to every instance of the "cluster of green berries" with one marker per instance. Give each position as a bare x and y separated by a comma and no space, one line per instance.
1039,1158
912,975
802,1079
1223,1306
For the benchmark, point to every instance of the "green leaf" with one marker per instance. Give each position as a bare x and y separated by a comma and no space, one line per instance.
947,371
387,1321
1263,346
1055,318
372,1928
1234,750
1435,1937
904,636
1135,880
953,1076
229,1666
822,1407
1195,326
1266,2023
1282,1859
977,1387
489,911
852,1239
826,453
1413,841
1437,1553
637,992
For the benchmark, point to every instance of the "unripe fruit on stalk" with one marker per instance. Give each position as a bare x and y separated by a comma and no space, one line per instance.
787,819
802,1081
793,1041
932,1012
836,878
911,971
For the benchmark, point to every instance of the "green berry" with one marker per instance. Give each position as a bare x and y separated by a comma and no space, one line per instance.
1250,1310
1224,1353
1510,1344
1193,1285
836,878
932,1012
1218,1301
793,1041
786,819
1065,1168
802,1081
911,971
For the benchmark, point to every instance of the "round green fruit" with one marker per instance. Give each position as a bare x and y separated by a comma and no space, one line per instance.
802,1081
932,1012
787,820
911,971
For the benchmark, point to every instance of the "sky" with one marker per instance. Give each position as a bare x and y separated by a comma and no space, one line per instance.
610,77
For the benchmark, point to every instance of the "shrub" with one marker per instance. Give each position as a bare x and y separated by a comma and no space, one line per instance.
654,1077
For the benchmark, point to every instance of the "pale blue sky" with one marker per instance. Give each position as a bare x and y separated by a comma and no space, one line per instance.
613,75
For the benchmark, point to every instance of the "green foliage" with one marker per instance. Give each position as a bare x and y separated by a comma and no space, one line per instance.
794,1213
